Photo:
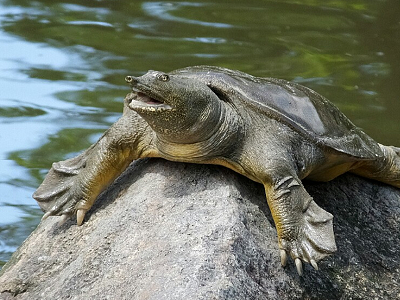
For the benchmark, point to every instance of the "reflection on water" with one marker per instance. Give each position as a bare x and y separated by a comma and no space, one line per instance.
164,11
62,69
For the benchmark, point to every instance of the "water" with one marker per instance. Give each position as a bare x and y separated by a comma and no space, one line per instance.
62,66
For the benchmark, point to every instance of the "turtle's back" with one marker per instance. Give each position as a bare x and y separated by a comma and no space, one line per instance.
301,108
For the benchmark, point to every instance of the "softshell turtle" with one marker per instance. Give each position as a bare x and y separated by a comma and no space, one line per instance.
270,130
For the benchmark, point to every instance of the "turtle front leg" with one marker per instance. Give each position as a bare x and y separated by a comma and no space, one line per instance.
69,188
305,231
72,186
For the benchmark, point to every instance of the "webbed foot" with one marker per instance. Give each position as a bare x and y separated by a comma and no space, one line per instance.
61,194
309,241
305,230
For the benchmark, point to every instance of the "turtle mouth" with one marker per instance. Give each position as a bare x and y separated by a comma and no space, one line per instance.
143,102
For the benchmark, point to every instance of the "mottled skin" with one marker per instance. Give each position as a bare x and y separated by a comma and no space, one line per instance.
271,131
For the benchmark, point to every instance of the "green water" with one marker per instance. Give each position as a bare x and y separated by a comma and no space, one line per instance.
62,69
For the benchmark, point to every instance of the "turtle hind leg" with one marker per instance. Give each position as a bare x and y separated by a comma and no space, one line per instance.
385,169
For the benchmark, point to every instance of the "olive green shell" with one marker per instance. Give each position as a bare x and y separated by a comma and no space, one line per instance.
295,105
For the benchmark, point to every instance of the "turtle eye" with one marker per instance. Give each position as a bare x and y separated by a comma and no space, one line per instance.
163,77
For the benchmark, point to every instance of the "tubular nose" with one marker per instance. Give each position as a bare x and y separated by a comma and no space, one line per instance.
131,79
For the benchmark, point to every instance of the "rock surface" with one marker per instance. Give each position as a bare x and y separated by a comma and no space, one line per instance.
178,231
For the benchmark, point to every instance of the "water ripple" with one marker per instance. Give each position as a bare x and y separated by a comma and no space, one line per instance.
163,11
91,23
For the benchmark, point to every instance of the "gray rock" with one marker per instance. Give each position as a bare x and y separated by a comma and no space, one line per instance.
178,231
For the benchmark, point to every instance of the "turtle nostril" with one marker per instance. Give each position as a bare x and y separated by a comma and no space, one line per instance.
128,79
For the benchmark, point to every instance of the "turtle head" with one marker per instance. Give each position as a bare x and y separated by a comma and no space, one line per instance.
179,109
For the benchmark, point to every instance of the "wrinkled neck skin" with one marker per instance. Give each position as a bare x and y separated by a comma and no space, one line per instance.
218,132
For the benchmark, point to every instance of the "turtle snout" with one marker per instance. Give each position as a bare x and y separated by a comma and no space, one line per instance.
131,79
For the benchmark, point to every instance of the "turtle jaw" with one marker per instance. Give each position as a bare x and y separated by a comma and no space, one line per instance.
141,101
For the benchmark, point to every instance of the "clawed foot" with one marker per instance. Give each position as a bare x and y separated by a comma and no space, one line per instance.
80,215
314,238
60,194
65,206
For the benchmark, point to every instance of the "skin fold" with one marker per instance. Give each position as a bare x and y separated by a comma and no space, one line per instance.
269,130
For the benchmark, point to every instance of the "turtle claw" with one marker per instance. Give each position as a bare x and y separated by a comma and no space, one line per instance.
284,257
63,219
314,264
80,215
297,261
46,215
299,266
